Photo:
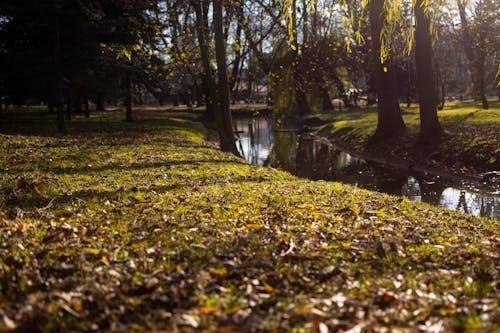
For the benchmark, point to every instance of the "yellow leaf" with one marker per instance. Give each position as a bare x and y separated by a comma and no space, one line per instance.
218,272
233,310
105,260
267,286
23,227
91,250
77,305
209,309
304,309
453,239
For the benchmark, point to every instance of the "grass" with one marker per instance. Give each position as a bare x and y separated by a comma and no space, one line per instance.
470,144
144,227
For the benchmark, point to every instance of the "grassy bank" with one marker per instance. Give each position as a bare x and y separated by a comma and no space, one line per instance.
470,145
143,227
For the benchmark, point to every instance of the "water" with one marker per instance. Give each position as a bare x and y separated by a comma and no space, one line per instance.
263,143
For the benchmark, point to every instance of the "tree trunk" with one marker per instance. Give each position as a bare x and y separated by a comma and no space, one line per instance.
201,11
341,89
440,87
480,58
326,101
87,109
128,95
237,49
475,59
100,101
430,129
227,137
390,123
299,84
69,105
58,75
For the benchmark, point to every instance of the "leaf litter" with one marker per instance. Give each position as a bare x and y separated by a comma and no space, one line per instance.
150,229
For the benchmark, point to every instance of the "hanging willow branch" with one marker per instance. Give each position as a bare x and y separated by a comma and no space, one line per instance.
394,21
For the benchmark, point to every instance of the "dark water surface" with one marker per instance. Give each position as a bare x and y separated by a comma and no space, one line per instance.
263,143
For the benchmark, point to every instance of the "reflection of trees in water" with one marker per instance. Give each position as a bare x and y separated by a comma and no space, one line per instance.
462,203
411,189
430,191
314,159
284,151
256,139
471,203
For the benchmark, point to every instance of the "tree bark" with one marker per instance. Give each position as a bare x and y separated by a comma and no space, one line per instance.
201,9
430,129
227,137
390,122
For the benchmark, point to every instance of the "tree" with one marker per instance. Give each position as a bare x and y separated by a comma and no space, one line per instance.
223,114
390,123
217,101
478,37
430,128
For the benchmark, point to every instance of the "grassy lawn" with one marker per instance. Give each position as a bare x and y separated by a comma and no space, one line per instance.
144,227
471,143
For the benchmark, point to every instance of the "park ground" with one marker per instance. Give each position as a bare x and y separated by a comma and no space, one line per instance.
145,226
470,144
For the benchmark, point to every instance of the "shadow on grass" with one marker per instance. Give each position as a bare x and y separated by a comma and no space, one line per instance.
31,202
106,123
120,167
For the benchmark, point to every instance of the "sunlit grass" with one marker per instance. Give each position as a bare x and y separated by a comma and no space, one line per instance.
467,127
143,227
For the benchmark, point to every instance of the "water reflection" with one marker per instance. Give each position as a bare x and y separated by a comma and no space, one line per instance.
262,142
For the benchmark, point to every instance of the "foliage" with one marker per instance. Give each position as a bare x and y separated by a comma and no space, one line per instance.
142,227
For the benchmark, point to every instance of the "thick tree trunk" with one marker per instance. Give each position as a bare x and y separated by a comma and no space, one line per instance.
227,137
128,95
480,78
390,123
430,129
201,11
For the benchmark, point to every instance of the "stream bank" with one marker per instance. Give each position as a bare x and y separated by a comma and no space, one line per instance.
264,141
